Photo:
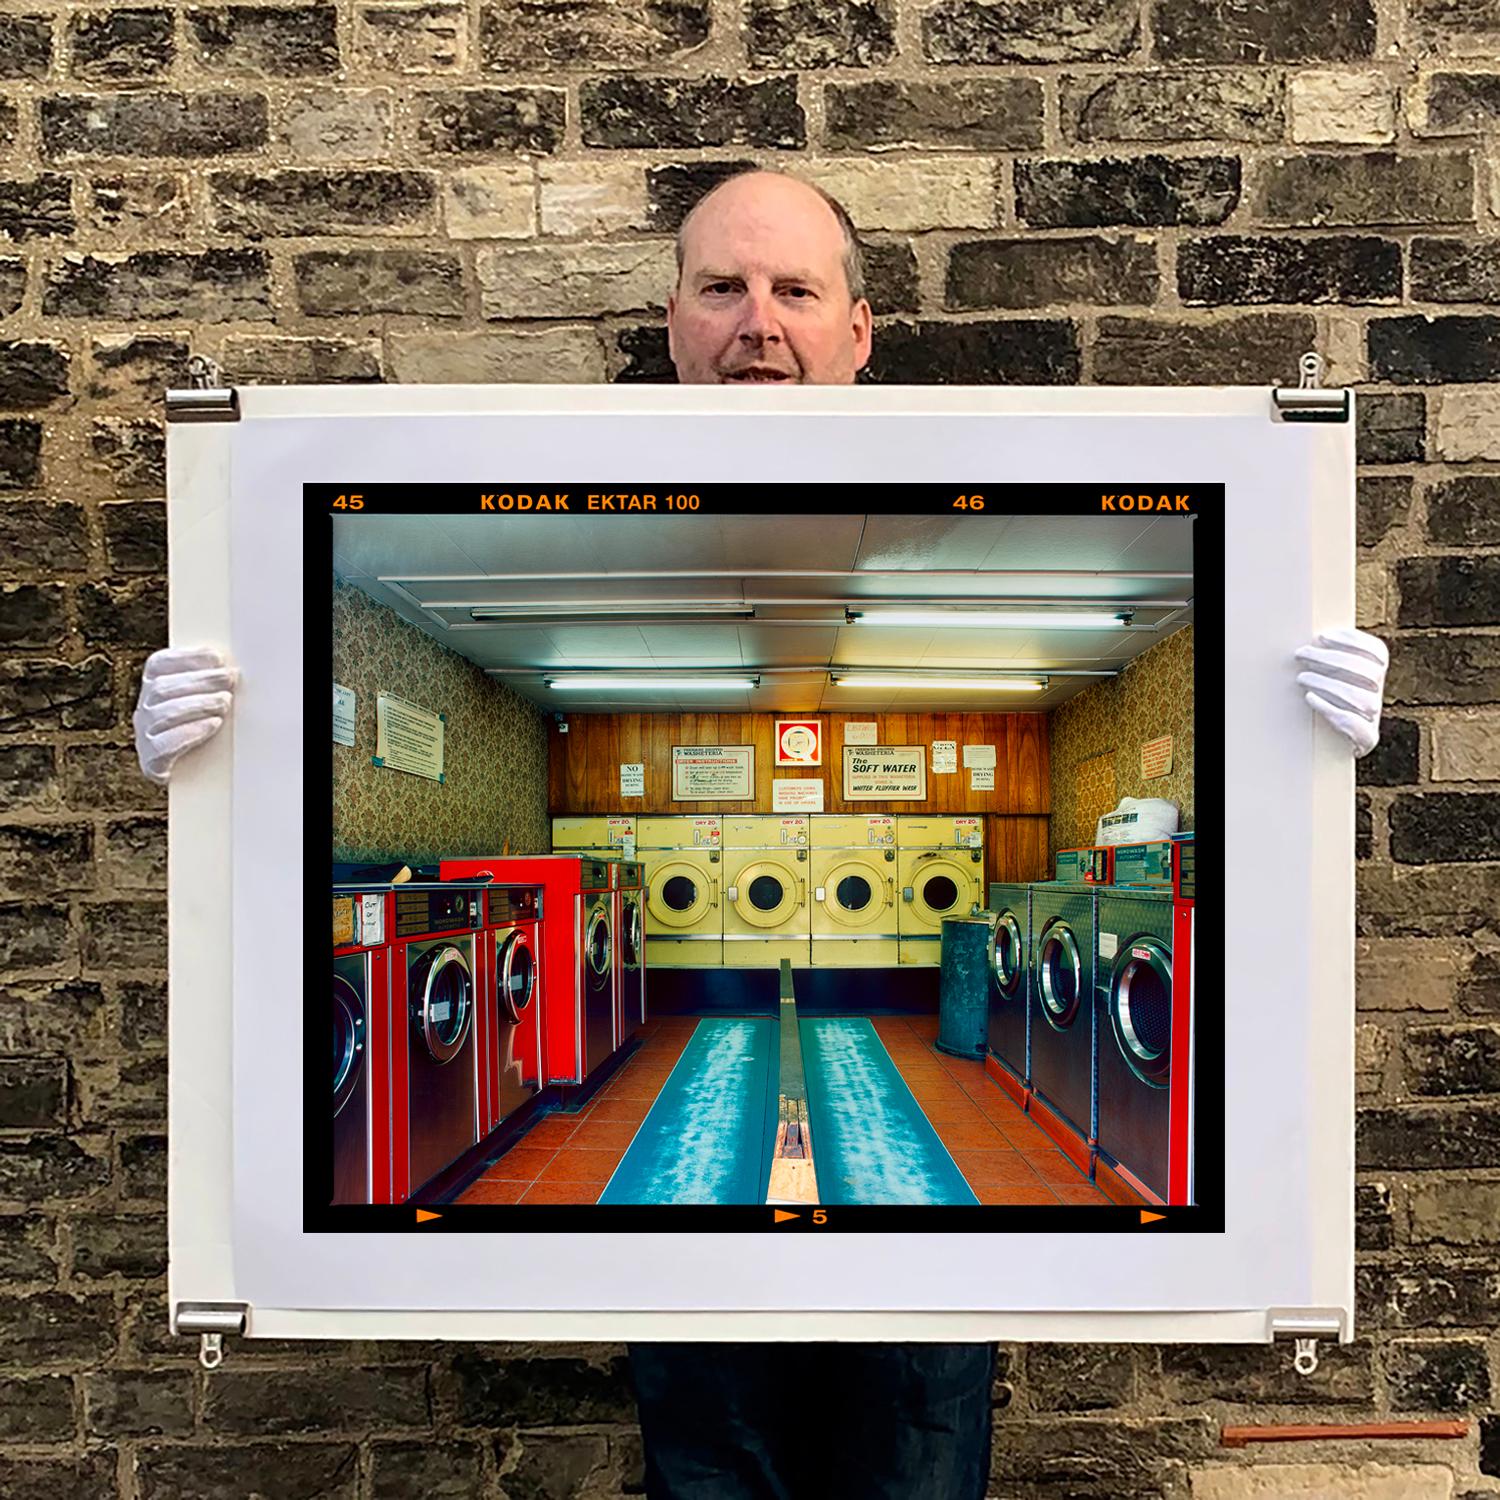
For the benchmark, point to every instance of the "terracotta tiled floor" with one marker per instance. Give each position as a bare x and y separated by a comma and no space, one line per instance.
1004,1157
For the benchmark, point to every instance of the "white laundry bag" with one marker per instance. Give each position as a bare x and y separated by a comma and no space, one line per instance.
1136,820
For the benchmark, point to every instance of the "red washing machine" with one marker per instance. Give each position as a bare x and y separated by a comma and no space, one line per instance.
1184,1115
361,1021
630,950
578,952
509,1016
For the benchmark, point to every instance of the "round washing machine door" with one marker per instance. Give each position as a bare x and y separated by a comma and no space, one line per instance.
1060,979
348,1040
1007,958
598,944
856,894
766,893
1140,1009
943,887
515,976
632,938
680,894
441,995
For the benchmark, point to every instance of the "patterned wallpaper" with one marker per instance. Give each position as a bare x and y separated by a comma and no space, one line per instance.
1152,697
495,748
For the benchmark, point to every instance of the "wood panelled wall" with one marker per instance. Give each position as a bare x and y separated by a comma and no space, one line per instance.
584,771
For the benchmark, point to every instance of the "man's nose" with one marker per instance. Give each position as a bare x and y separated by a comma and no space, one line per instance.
758,320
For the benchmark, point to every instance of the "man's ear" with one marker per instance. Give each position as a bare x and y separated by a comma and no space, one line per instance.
671,317
863,321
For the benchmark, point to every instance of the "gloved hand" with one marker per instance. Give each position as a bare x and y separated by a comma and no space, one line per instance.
185,695
1349,684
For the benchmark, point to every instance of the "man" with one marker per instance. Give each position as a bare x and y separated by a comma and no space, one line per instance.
770,290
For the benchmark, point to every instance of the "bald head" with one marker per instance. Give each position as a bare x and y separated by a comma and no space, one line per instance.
769,287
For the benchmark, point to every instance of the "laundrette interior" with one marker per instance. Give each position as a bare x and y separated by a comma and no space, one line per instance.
560,967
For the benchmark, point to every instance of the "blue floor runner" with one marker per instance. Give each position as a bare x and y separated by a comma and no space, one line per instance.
705,1139
871,1142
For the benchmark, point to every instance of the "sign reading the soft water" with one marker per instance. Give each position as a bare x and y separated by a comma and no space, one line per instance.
885,773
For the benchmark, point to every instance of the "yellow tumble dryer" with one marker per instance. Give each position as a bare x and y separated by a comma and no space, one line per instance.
765,891
854,892
610,837
682,873
941,864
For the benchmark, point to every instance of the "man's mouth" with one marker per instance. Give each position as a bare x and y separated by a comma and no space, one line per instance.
756,373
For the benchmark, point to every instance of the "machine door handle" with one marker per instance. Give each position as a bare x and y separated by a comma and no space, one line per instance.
890,886
714,885
802,884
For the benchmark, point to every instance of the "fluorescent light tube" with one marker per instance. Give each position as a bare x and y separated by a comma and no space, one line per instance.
958,619
669,684
977,684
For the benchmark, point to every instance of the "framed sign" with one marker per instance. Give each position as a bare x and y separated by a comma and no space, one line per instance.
799,742
713,773
1266,1242
885,773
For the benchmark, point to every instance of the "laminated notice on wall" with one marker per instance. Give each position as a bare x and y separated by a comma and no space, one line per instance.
979,755
343,715
944,757
408,738
633,780
982,779
861,732
1156,758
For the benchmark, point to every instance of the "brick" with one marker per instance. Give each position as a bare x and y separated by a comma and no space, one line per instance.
1443,828
140,205
931,192
497,202
1383,504
210,123
1374,1225
143,1168
1138,191
279,360
577,281
36,1169
411,40
1372,595
678,113
548,35
134,369
212,286
1162,105
114,46
38,208
1239,269
46,858
423,283
1229,351
322,202
68,1016
289,1471
890,276
124,934
267,1403
1435,350
1395,761
135,536
28,779
137,1403
1264,31
32,615
1414,975
1453,270
108,777
12,285
1466,747
1372,187
456,122
819,33
265,41
56,694
1479,989
118,1245
570,356
447,1471
1037,351
645,357
33,1093
1371,1481
37,1411
133,854
674,190
10,126
1456,27
1094,1459
986,114
1468,425
1424,1136
20,453
28,1248
972,32
1086,1377
570,1463
1343,109
132,452
1444,668
1040,273
51,1328
143,1014
88,1478
1449,590
1437,1374
1457,1213
1391,427
33,373
1489,1448
337,124
593,198
1456,104
543,1391
1195,1373
25,46
129,614
1448,1060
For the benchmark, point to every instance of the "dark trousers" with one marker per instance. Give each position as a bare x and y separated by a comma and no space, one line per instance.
814,1421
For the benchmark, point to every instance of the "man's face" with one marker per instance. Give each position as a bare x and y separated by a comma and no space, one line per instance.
762,296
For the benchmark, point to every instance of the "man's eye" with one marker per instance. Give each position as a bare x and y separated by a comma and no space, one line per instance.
719,286
801,292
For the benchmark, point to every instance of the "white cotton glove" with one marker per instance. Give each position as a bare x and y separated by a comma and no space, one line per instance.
1348,683
185,695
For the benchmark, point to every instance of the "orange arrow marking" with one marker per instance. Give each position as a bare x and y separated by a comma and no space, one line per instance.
423,1216
782,1216
1150,1218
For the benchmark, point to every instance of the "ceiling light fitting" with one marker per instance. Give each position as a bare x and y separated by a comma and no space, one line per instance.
609,680
944,684
959,619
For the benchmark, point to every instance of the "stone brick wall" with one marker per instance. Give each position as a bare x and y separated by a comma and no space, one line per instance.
1106,190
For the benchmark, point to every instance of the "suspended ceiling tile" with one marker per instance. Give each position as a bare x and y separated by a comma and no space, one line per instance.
373,546
917,543
704,643
787,645
504,648
1166,543
584,645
